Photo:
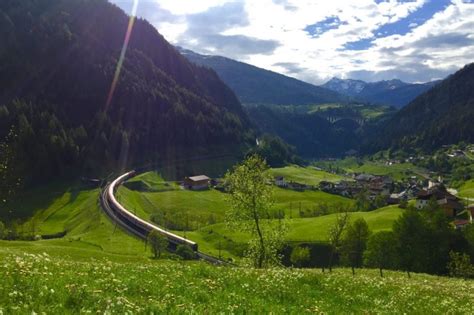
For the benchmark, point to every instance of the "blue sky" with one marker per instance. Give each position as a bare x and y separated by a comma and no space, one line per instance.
314,40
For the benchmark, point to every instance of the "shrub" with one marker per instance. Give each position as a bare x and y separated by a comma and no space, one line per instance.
460,266
300,256
158,243
185,252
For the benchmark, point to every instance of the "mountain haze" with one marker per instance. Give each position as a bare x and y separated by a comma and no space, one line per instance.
394,93
258,86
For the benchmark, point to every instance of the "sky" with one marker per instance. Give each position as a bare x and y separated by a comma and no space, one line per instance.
315,40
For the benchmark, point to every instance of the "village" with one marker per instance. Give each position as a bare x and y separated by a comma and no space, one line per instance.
413,190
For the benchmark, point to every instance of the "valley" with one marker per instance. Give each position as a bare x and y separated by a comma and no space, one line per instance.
281,157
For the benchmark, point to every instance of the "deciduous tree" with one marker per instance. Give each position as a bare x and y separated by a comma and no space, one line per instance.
381,251
410,232
355,243
335,235
250,198
158,243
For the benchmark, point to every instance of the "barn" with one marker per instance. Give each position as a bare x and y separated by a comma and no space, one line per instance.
200,182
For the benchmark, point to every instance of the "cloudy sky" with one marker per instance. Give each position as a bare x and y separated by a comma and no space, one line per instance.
314,40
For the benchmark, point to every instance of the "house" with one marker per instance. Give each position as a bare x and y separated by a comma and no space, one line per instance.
364,178
460,224
394,199
456,153
450,207
470,212
326,186
280,182
448,202
298,186
200,182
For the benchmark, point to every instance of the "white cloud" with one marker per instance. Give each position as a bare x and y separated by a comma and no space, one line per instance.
271,34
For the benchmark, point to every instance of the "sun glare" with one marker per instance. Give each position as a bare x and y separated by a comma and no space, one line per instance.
128,34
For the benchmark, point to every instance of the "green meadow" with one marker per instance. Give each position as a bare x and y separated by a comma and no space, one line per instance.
304,175
211,204
59,284
76,213
353,165
98,268
231,243
467,189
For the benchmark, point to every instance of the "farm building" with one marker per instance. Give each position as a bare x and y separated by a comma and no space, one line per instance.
448,202
280,182
200,182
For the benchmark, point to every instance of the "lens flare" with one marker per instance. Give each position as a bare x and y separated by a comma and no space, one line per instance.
128,34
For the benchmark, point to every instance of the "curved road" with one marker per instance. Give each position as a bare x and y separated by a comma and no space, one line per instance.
139,227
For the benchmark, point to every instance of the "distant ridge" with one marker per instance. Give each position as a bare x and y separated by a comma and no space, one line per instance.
442,115
388,92
254,85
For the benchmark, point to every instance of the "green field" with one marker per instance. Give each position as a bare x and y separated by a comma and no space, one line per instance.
210,238
467,189
97,268
204,207
304,175
77,213
58,284
353,165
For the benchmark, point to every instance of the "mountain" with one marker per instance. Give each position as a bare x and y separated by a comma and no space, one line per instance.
442,115
394,93
58,59
258,86
347,87
309,132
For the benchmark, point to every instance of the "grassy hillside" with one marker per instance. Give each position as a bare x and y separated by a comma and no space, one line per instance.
353,165
37,283
210,238
467,189
211,204
76,212
304,175
98,268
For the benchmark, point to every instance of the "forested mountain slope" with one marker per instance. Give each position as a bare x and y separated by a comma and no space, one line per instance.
311,134
58,59
443,115
259,86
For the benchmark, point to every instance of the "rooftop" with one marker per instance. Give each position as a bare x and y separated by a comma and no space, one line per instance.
198,178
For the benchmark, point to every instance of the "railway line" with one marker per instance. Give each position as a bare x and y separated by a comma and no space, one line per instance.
139,227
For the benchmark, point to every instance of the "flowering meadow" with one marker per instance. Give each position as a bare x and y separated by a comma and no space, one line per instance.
39,283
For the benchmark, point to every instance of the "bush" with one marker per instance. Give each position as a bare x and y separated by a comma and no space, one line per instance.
185,252
158,243
300,256
403,204
460,266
